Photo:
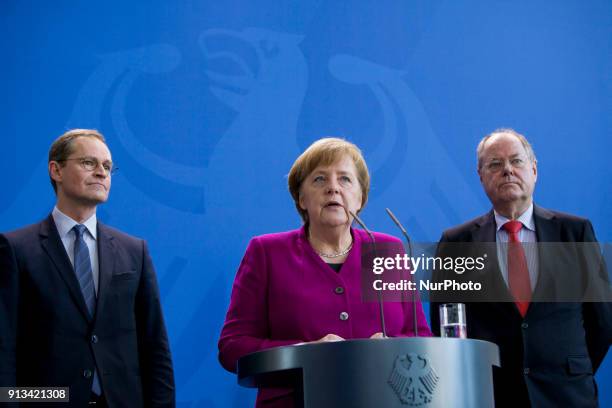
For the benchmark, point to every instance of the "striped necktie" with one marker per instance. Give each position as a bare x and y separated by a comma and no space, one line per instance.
82,269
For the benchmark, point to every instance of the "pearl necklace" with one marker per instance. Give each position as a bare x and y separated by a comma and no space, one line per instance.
338,254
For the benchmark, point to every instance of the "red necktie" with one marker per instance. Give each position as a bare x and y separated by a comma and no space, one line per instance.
518,273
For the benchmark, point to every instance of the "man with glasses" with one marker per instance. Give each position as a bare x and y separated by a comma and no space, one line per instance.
79,302
549,350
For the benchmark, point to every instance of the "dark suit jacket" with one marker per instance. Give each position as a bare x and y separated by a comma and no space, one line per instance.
47,337
548,358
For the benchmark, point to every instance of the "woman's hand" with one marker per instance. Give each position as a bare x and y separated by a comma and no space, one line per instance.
328,338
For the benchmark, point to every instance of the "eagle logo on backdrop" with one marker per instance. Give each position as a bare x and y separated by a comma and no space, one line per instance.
413,379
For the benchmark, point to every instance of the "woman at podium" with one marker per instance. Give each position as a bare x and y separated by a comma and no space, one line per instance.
305,285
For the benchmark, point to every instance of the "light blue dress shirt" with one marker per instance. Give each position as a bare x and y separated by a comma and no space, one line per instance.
64,226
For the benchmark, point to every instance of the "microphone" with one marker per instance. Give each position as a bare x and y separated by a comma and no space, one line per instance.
409,242
380,302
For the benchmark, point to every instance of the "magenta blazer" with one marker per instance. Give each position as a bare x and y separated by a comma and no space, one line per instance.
284,294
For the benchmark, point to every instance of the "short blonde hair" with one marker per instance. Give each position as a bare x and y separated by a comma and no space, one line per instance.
61,148
325,152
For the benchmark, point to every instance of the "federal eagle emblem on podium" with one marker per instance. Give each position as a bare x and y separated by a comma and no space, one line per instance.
413,379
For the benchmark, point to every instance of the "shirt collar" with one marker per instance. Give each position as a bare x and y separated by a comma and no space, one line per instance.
526,218
65,224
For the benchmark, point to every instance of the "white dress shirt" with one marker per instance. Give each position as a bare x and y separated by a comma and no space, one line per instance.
527,236
64,226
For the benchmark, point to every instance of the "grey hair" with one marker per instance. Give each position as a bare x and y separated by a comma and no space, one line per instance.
530,153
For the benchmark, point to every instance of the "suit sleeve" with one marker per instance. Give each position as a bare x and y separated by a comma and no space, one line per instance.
153,347
246,324
9,291
597,315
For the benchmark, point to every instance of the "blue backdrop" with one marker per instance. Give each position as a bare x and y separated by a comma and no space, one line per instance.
206,104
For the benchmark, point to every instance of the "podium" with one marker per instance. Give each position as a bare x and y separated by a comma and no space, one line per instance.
395,372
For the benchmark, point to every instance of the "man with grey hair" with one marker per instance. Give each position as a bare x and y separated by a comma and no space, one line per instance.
549,351
79,301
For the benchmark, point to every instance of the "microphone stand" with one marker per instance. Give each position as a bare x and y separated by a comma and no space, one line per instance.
409,242
380,302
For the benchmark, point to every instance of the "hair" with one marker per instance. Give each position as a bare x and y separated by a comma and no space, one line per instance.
62,147
325,152
526,145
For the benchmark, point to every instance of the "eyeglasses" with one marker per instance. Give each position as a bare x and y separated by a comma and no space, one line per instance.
496,165
91,163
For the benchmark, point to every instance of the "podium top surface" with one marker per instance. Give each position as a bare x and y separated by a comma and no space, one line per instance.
362,352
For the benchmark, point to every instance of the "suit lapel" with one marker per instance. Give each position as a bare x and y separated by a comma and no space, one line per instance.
106,260
53,246
547,230
486,231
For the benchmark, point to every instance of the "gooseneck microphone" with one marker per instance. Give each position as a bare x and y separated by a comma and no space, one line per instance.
409,242
380,302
